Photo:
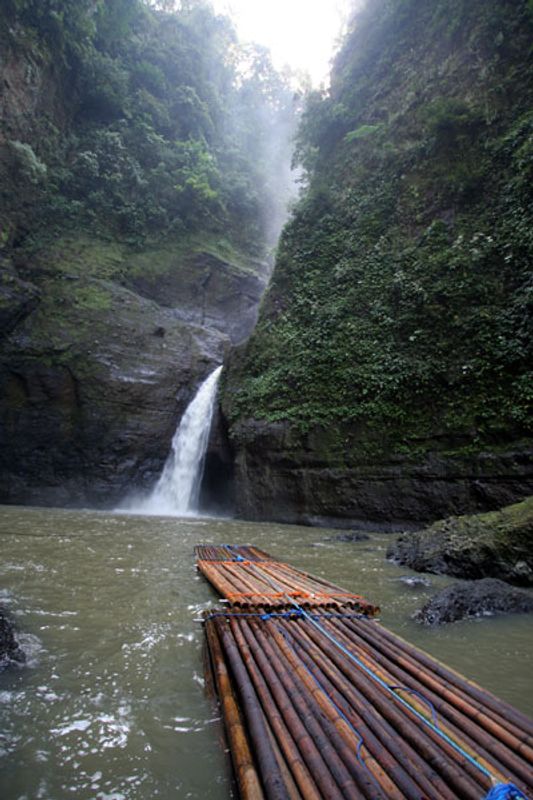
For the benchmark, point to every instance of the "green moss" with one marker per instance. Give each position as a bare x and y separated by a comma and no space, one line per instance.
171,254
398,304
76,253
79,254
507,532
93,298
362,132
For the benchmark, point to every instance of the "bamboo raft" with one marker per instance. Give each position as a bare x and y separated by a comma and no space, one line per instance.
320,701
245,578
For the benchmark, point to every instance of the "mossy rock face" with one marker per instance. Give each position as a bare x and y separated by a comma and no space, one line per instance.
497,544
202,286
93,382
103,346
393,347
18,298
323,478
203,279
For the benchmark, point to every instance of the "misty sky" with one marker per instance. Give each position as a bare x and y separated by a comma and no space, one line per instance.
300,33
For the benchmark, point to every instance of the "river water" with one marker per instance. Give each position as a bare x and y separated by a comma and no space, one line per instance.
112,705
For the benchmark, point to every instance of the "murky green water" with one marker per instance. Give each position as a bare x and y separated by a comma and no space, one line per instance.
112,705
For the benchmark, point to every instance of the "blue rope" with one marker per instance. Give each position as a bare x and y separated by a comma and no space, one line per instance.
400,699
236,615
295,613
421,697
502,791
360,741
505,791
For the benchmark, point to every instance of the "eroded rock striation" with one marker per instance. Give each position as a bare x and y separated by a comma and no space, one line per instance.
322,477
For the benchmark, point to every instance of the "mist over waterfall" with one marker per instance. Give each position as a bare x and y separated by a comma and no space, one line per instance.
178,489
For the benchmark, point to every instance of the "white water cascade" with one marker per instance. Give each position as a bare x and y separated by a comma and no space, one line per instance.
177,490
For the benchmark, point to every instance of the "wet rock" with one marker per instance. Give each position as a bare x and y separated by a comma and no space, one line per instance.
18,298
90,397
10,652
204,289
497,544
468,599
322,478
217,495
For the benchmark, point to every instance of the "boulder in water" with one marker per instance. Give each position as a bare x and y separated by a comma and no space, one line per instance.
10,652
498,544
467,599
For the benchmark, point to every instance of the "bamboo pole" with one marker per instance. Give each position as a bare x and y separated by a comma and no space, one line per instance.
291,787
307,703
270,771
491,740
419,738
302,776
417,705
404,764
401,748
453,677
459,696
343,736
245,772
316,756
219,581
253,580
322,732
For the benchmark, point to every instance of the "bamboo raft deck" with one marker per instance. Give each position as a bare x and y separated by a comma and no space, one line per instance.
320,701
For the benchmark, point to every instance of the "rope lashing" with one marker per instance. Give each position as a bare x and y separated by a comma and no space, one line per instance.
425,721
505,791
340,712
421,697
292,614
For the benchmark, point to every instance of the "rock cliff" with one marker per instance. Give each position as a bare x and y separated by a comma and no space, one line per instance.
93,378
387,380
322,478
95,372
132,240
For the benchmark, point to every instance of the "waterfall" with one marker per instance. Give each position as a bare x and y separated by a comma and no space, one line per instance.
178,489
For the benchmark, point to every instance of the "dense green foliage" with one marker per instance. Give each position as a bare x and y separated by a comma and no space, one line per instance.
401,297
167,122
